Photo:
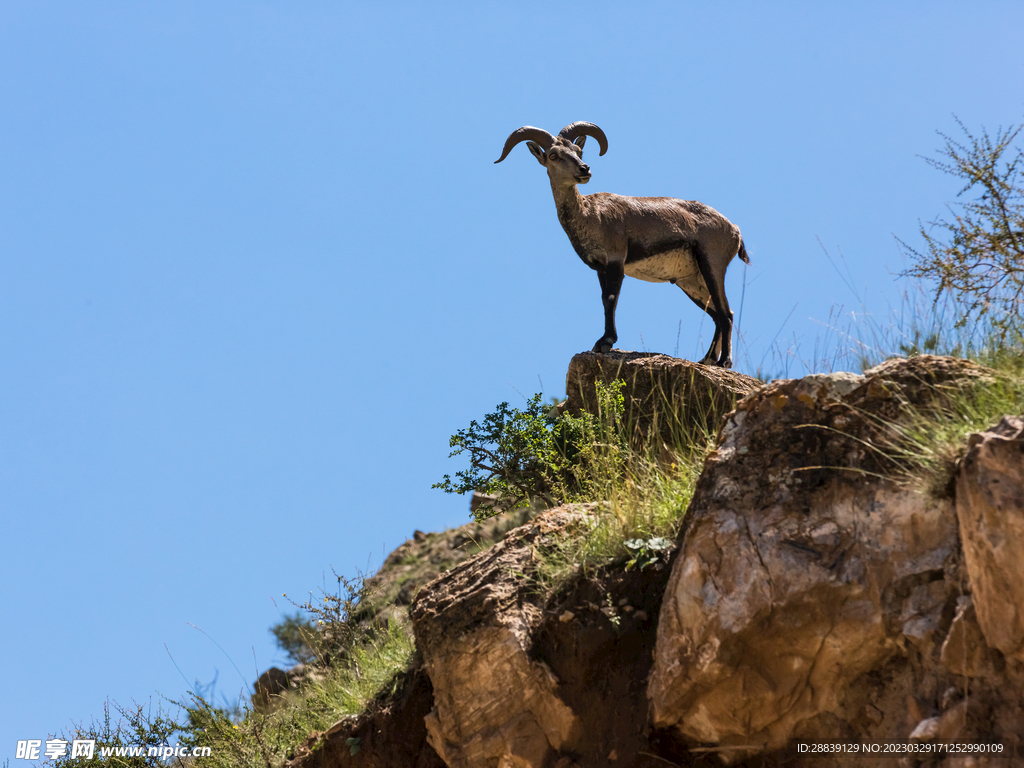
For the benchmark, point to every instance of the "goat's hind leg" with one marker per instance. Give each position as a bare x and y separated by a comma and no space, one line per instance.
713,273
698,293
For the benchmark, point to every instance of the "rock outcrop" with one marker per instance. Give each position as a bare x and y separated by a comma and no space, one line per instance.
990,505
421,559
803,566
269,689
476,628
663,394
523,678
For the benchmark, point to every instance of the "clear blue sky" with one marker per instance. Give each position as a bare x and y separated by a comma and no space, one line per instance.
257,264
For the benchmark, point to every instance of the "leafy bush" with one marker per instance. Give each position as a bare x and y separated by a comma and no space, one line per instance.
642,487
511,455
520,456
647,552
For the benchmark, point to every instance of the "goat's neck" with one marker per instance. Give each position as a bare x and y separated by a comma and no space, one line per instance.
571,206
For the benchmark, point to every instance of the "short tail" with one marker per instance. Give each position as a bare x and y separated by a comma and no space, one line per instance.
743,253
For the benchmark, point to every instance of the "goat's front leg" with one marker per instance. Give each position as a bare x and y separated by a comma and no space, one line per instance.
610,276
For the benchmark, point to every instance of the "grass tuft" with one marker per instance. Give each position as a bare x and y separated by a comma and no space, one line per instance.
927,445
266,740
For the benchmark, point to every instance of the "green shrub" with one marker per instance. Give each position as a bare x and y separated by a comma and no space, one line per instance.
642,487
522,456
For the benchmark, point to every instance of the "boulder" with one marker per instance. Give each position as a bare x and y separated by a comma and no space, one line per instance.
990,508
815,594
269,688
665,395
805,563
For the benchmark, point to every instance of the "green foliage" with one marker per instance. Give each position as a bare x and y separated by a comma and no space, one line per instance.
511,456
295,635
641,486
977,256
520,456
644,505
138,725
350,663
370,668
647,552
927,444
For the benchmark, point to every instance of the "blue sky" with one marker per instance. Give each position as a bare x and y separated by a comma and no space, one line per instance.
257,264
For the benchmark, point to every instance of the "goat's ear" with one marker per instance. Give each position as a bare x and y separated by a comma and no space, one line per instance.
537,151
580,141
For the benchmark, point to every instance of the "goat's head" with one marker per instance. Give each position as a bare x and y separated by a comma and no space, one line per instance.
562,155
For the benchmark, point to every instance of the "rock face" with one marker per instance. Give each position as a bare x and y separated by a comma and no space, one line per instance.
803,568
519,682
990,506
475,630
665,394
423,558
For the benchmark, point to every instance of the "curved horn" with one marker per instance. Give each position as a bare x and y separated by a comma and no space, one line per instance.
574,130
527,132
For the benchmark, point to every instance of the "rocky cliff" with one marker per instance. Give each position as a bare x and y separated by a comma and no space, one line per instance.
815,593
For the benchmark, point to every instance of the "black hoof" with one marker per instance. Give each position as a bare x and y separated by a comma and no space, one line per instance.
712,363
602,346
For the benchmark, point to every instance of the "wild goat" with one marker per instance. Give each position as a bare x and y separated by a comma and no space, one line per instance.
656,239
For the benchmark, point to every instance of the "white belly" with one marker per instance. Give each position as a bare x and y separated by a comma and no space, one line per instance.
678,265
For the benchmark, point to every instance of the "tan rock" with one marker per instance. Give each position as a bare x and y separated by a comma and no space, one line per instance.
962,721
802,564
494,704
964,651
990,508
